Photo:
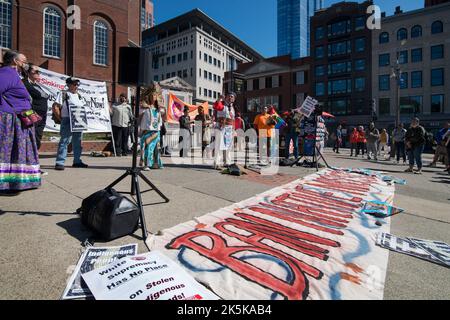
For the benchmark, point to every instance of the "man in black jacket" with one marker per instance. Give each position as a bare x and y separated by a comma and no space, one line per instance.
415,143
39,100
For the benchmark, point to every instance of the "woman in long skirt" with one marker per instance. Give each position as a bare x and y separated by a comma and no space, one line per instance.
151,122
19,160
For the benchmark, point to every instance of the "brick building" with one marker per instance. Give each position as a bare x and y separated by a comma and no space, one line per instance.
39,30
341,46
280,81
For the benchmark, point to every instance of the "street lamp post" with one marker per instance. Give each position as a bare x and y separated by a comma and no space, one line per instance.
397,75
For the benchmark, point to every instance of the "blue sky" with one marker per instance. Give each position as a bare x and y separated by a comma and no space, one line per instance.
253,21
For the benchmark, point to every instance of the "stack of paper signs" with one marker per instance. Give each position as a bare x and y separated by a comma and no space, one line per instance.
434,251
94,258
117,273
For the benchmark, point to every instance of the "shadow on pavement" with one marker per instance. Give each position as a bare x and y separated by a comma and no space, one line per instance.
43,214
76,229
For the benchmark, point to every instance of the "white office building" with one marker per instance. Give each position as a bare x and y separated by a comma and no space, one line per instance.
198,50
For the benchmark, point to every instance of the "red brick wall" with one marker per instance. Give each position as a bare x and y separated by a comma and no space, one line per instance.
88,146
77,55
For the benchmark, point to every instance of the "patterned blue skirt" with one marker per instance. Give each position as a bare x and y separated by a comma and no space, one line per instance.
19,158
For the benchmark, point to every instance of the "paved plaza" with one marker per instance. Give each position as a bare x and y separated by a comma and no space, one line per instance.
42,236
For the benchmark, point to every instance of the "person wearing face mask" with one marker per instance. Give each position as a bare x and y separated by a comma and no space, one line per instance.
19,160
415,143
39,99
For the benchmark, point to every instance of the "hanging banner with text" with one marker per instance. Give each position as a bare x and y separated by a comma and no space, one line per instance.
305,240
150,276
96,111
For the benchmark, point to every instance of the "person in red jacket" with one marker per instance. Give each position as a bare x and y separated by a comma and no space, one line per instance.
361,142
353,141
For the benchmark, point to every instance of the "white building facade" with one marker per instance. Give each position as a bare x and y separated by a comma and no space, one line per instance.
198,50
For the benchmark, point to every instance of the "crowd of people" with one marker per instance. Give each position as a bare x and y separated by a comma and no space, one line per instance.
403,144
23,113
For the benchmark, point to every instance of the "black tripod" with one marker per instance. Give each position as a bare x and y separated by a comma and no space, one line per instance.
136,172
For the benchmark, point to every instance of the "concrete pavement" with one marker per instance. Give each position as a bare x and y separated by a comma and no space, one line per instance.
41,236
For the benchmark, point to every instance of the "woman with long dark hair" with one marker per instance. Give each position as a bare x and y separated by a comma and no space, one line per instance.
151,123
19,160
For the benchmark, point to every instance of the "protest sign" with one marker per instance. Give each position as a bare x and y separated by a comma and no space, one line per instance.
150,276
433,251
94,258
439,250
93,118
308,106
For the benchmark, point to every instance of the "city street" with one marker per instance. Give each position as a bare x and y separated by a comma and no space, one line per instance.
42,236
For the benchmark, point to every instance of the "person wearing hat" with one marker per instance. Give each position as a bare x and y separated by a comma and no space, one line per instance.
185,133
225,119
65,101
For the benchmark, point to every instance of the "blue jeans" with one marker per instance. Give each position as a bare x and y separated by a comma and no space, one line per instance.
400,150
66,137
416,154
294,138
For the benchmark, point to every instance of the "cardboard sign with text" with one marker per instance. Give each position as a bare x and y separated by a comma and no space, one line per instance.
308,106
150,276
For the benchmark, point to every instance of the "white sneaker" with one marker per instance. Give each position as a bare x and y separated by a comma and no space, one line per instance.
44,173
146,169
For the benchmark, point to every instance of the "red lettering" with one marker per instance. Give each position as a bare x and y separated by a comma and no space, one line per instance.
220,253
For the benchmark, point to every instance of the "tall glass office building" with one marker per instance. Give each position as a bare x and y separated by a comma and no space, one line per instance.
293,26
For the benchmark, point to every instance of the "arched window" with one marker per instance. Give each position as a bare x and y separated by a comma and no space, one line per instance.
402,34
5,23
100,43
384,37
52,32
437,27
416,31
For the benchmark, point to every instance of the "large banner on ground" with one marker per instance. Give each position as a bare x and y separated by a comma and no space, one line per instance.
305,240
176,107
94,94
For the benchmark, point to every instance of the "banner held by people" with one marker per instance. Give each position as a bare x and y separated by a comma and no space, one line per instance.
95,118
176,106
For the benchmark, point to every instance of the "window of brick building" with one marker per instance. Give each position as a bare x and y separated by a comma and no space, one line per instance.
52,32
5,23
100,43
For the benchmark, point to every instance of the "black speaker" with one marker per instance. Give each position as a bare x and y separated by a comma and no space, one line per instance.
109,214
135,66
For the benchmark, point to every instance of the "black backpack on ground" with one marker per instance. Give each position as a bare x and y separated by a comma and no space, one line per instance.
109,214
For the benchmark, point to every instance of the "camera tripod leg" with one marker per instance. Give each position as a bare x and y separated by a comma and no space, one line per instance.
112,185
141,207
323,158
154,188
